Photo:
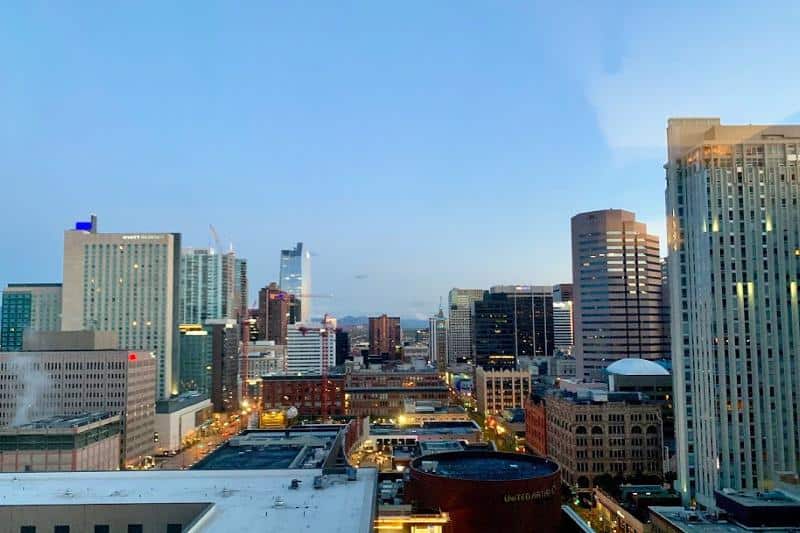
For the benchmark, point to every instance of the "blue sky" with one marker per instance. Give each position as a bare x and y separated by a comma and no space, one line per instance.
425,145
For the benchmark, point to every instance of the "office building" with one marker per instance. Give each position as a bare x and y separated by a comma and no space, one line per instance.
342,346
241,285
207,285
459,327
309,347
224,364
277,309
72,373
304,392
126,283
384,392
385,335
563,339
179,418
616,275
195,363
498,390
88,441
263,357
562,292
592,434
437,346
733,265
295,278
28,307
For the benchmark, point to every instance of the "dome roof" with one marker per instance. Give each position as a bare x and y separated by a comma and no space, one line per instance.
634,366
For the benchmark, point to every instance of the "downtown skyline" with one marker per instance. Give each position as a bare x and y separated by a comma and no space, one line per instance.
453,114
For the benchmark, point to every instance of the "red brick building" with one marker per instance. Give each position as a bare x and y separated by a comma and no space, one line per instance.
304,393
385,335
382,392
536,425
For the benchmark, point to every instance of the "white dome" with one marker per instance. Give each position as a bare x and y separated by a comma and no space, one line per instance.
634,366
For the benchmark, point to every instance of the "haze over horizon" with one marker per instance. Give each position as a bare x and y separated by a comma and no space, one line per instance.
412,148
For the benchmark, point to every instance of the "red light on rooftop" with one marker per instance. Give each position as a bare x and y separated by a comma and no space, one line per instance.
131,356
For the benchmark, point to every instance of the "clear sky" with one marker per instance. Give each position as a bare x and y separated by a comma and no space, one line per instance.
414,146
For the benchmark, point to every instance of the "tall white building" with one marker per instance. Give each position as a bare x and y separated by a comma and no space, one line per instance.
437,346
734,262
459,332
308,345
208,288
295,277
562,327
126,283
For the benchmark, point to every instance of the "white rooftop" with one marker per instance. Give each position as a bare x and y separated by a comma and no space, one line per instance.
241,500
634,366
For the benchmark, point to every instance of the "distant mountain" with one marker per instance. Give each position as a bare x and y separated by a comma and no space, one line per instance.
405,323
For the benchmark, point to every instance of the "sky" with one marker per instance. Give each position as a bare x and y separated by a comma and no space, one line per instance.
413,146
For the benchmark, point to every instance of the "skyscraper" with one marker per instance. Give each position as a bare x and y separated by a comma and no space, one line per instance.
295,277
308,346
126,283
207,286
241,288
616,277
563,339
224,335
533,317
385,335
28,307
459,332
275,313
437,347
734,262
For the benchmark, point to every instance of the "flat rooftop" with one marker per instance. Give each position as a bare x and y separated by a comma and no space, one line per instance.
691,521
181,401
244,500
272,450
486,466
427,428
65,421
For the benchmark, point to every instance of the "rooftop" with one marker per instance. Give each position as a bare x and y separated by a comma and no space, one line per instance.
181,401
273,450
689,521
427,428
633,366
65,421
485,466
244,500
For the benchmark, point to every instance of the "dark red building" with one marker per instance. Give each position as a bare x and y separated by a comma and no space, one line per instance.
536,425
385,335
488,491
276,310
304,393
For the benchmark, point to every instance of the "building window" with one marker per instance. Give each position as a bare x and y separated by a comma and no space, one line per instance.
61,529
135,528
174,528
27,529
102,528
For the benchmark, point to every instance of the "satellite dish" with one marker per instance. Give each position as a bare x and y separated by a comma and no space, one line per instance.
291,412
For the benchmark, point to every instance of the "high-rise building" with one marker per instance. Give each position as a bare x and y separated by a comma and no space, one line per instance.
342,346
71,373
616,277
493,331
195,363
437,347
224,335
308,345
563,339
207,286
241,288
295,278
275,312
533,317
126,283
28,307
385,335
734,262
562,292
459,332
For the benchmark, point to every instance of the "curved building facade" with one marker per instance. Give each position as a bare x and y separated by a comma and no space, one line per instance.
488,491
